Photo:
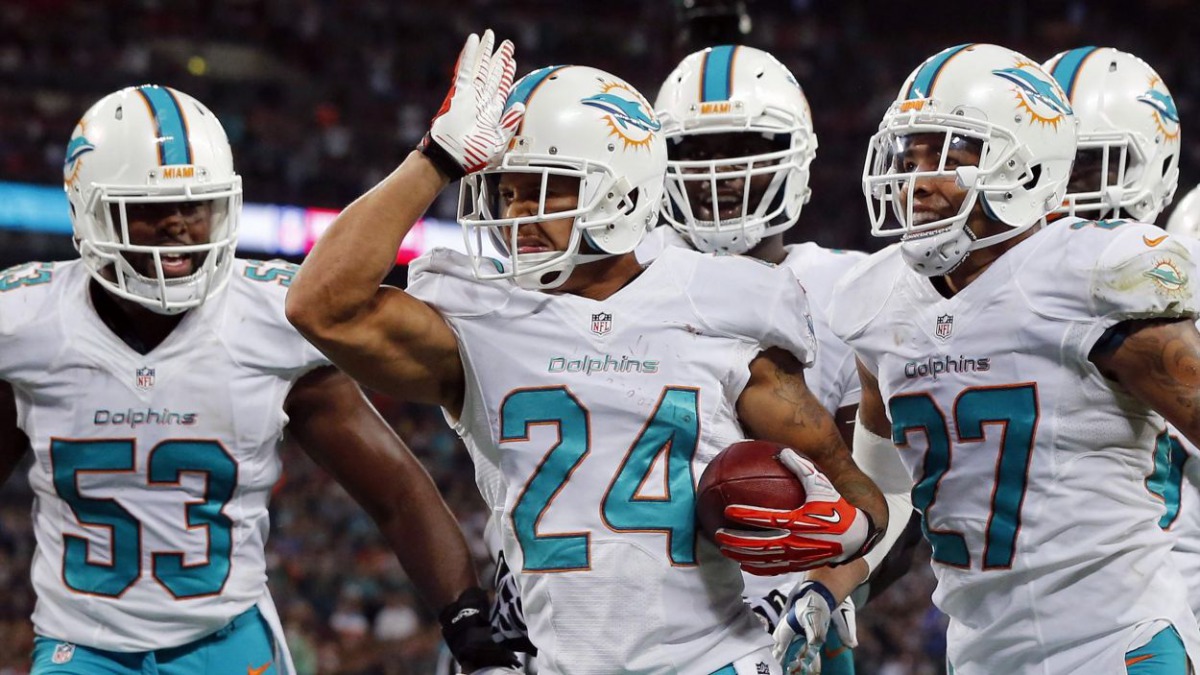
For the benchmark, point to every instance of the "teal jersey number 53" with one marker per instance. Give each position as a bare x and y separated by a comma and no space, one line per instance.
73,460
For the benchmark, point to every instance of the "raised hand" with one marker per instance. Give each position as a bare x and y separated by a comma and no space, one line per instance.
472,128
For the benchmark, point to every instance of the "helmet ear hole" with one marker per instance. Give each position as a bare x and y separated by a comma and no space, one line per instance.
1035,177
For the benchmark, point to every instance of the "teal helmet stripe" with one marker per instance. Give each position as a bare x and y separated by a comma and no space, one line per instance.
523,91
1066,69
716,79
173,144
922,84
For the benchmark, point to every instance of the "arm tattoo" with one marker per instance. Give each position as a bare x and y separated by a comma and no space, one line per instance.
1159,362
823,444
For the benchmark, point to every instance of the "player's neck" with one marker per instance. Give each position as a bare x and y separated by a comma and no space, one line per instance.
770,250
599,280
138,327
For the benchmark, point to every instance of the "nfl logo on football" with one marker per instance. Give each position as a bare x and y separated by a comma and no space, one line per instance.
145,378
63,652
945,326
601,323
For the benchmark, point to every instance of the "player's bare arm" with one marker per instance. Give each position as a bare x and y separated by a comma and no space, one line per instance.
1159,362
342,432
380,335
13,442
843,579
333,422
777,405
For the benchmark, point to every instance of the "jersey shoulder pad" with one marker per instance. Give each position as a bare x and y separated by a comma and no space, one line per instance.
1083,270
1144,273
445,279
657,240
819,269
746,298
262,333
27,291
864,291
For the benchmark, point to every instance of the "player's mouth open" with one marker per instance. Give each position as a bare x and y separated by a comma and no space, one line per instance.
176,264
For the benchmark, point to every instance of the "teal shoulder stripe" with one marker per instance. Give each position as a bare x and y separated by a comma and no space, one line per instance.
717,77
1066,70
524,88
922,84
173,144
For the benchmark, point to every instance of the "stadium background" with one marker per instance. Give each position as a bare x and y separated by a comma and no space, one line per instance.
321,98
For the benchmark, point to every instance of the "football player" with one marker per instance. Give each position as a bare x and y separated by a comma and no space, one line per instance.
1127,166
153,379
590,391
1023,371
740,141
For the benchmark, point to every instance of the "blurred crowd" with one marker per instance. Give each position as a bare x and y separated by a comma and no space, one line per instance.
321,98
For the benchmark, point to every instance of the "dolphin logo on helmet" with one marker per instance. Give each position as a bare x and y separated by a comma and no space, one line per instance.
1162,103
1035,88
624,111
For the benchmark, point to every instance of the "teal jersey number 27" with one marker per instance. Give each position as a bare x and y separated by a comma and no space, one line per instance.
1014,409
74,460
673,428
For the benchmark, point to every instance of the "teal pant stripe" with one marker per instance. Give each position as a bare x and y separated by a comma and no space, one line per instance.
727,670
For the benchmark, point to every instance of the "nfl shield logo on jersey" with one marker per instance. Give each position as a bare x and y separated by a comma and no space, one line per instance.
601,323
145,378
63,652
945,326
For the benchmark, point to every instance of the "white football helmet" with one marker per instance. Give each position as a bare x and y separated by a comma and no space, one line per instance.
1129,121
1185,218
736,89
582,123
151,144
991,97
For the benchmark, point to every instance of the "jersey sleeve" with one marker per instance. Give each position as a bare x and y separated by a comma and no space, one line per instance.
1142,274
268,340
736,295
30,330
445,280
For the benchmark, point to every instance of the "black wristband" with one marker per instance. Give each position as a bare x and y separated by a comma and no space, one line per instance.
468,633
440,158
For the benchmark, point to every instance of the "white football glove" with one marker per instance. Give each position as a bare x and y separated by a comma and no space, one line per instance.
472,129
496,671
801,634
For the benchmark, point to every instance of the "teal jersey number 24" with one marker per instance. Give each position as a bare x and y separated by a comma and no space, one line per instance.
673,428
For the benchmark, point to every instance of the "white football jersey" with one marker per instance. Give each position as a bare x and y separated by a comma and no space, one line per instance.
1030,468
589,423
151,472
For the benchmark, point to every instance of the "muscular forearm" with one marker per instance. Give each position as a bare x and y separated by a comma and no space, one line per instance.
429,545
341,275
777,406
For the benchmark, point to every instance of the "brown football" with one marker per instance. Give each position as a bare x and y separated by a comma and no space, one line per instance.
747,472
